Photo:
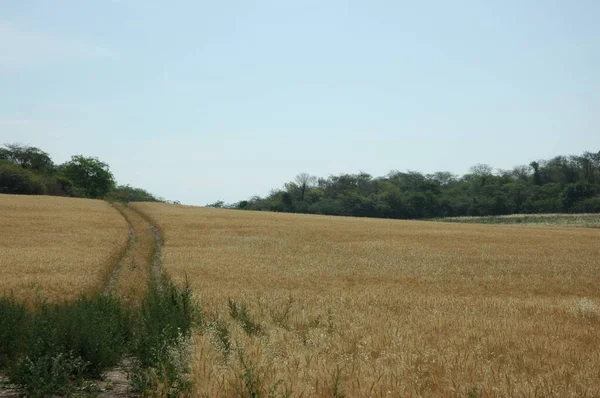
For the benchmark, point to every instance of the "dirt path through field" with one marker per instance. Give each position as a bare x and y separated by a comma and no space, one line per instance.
129,282
156,256
130,277
113,279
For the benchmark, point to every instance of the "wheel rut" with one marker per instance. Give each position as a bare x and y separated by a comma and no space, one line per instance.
111,284
129,282
156,258
157,270
141,262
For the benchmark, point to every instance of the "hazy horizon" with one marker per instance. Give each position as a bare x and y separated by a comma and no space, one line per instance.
199,102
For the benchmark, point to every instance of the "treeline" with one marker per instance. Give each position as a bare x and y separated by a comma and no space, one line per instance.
562,184
28,170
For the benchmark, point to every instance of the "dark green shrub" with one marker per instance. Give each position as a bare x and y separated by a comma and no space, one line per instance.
17,180
576,192
96,330
590,205
163,330
167,313
14,321
48,374
53,349
90,174
27,157
61,186
126,194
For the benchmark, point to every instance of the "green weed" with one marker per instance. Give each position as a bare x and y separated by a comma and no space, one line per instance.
54,348
240,313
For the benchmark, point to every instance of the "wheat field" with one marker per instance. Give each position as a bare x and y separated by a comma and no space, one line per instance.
55,248
365,307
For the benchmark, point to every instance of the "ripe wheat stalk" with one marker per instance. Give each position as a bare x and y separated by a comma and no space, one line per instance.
56,249
364,307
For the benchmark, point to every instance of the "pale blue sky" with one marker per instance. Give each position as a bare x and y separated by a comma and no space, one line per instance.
198,101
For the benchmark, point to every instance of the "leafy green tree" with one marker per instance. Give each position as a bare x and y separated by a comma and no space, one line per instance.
569,183
219,204
327,206
59,185
5,154
537,179
577,192
27,157
242,205
589,205
287,201
443,178
127,194
90,174
561,169
304,181
589,164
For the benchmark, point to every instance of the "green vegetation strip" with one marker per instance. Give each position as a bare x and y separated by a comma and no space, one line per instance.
558,220
56,348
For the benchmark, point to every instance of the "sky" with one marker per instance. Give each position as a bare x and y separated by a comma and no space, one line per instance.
199,101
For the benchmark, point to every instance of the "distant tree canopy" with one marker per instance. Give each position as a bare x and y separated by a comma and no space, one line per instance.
561,184
126,194
15,179
27,157
30,171
90,174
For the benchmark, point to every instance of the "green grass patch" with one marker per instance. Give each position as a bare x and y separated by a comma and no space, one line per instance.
162,338
550,220
55,348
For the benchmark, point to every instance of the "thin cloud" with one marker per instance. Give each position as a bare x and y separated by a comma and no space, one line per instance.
23,47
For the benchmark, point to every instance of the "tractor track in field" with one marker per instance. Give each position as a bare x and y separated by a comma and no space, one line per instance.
157,269
113,279
116,382
156,265
153,254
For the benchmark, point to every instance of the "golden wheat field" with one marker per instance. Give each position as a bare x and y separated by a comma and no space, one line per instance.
55,248
300,305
